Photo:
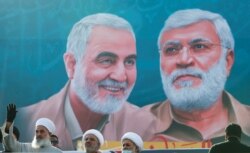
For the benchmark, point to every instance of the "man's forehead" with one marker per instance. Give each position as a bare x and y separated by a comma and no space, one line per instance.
107,54
91,136
192,40
203,30
41,127
113,55
100,30
195,23
127,141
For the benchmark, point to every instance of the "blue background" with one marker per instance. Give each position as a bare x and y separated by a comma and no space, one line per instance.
33,37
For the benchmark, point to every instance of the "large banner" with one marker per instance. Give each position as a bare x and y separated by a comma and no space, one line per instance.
174,72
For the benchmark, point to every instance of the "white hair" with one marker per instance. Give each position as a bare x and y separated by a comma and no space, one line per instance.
79,35
189,16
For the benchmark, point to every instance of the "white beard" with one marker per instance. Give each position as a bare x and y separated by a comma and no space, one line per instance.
87,91
126,151
190,98
40,143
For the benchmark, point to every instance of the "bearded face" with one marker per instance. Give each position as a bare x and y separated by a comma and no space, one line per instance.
42,137
189,98
104,77
194,65
91,143
88,90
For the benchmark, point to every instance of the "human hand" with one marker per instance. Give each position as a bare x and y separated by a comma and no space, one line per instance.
11,112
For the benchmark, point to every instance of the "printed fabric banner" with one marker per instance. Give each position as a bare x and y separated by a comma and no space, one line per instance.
174,72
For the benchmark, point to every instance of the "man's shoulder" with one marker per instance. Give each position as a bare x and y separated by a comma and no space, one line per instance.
228,97
130,118
159,109
219,147
130,106
240,111
156,105
130,109
41,107
132,113
230,146
56,149
51,108
46,104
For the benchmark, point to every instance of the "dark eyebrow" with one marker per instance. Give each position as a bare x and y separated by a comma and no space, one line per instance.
172,42
197,40
131,56
106,54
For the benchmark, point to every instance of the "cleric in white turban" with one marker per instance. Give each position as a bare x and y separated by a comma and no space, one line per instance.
47,123
41,142
131,143
92,141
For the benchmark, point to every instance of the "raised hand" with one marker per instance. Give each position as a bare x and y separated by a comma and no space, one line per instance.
11,112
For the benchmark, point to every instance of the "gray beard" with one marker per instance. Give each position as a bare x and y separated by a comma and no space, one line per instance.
40,143
190,99
87,91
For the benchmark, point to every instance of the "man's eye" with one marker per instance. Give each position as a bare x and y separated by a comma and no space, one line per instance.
126,145
130,62
106,61
171,50
199,47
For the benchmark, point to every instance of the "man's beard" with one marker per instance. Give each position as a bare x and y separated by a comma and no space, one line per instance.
126,151
40,143
92,148
189,98
88,92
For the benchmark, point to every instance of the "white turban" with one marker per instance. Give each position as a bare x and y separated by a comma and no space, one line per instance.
96,133
46,123
135,138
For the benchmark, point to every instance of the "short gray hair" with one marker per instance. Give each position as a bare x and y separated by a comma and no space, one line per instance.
189,16
79,35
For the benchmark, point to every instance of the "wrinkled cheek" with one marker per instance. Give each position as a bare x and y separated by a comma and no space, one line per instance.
132,78
168,65
166,68
206,63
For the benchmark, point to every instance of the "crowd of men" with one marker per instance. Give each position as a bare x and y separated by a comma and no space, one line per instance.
45,139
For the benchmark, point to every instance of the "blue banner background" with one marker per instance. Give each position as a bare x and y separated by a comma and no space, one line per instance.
33,38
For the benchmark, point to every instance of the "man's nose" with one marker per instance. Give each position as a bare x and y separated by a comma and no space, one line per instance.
185,58
119,73
38,135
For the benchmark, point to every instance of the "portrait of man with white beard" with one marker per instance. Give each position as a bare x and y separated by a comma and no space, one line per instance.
100,62
196,49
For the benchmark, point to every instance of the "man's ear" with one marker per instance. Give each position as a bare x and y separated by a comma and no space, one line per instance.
70,63
229,60
137,149
99,145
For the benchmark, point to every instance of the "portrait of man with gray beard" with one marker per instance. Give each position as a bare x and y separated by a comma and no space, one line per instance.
100,62
196,49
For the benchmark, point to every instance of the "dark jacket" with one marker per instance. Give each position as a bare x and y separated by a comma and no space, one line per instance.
232,145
